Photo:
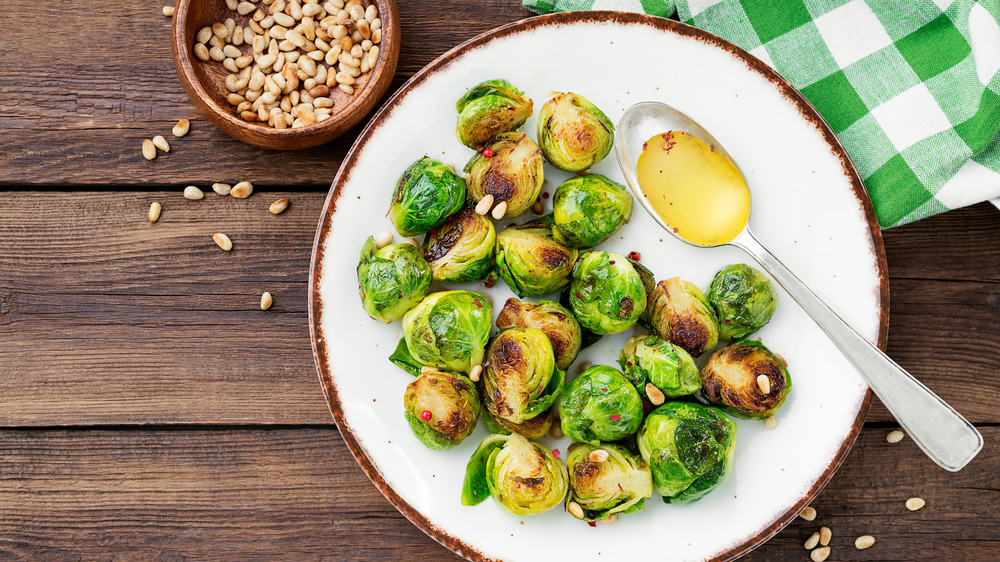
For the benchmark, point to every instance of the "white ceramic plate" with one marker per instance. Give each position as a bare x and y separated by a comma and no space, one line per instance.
809,207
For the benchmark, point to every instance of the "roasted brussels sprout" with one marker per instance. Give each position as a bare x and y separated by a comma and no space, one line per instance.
488,109
588,210
649,359
449,330
391,280
441,408
426,194
573,133
520,380
461,249
620,484
512,173
599,405
680,313
550,317
689,449
744,300
732,379
535,428
523,477
531,262
606,294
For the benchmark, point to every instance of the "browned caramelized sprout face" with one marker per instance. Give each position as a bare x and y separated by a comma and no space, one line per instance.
746,379
680,313
441,408
521,380
551,318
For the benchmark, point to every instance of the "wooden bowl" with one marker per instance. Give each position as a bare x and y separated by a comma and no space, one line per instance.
204,81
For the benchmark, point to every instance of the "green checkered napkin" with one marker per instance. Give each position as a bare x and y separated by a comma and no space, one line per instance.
911,88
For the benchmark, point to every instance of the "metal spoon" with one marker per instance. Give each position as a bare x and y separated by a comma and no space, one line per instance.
941,432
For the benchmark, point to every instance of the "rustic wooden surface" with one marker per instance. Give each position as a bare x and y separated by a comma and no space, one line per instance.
149,409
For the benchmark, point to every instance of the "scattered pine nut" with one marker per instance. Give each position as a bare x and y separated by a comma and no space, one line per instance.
598,455
654,394
764,384
181,128
222,188
193,193
820,554
864,541
425,370
280,205
825,534
809,513
484,204
168,11
575,510
413,242
583,366
812,541
610,519
383,240
500,210
242,190
148,149
555,431
770,422
161,143
537,208
223,241
913,504
266,300
154,211
895,436
475,372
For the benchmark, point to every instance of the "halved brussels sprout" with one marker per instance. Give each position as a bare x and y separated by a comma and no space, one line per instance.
426,194
550,317
574,133
743,299
449,330
649,359
689,449
391,280
523,477
606,295
588,210
680,313
488,109
620,484
513,173
441,408
730,379
461,250
520,380
535,428
531,262
599,405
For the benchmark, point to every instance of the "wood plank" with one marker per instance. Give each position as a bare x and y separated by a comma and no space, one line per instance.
299,493
76,111
116,321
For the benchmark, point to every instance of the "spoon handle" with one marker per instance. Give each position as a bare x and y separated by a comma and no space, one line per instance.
941,432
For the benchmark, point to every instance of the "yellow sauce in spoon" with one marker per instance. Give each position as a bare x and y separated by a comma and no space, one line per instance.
696,190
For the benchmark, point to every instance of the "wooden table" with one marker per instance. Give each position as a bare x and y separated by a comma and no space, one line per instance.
150,409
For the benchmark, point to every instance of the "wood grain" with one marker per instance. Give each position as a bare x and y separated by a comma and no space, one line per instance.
76,111
107,319
298,493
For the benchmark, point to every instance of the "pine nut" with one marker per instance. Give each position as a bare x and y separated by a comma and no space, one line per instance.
372,57
895,436
809,513
764,384
237,38
484,204
610,519
825,534
201,51
217,54
770,423
204,34
555,431
598,455
242,190
575,510
230,65
311,10
365,29
193,193
476,371
322,102
584,366
168,11
812,541
357,12
161,143
344,78
654,394
376,24
232,4
244,8
349,90
220,30
319,91
500,210
537,208
820,554
266,300
377,36
235,99
371,13
214,41
913,504
148,149
864,541
223,241
154,211
222,188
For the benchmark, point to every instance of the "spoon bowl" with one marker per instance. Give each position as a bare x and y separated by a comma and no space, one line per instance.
941,432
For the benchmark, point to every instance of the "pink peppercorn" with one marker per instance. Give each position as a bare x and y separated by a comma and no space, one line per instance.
426,415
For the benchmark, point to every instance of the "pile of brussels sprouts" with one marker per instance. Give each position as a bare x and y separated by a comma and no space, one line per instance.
656,421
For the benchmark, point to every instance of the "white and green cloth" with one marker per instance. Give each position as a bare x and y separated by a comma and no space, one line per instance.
911,87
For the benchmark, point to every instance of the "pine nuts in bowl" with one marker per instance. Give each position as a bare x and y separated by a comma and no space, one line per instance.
286,74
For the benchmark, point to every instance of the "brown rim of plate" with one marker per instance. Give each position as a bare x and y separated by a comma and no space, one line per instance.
808,112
